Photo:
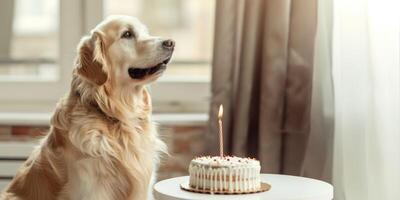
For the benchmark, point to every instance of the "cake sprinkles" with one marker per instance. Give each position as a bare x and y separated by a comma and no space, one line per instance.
228,173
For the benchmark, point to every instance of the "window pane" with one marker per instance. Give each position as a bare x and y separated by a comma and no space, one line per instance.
189,22
29,39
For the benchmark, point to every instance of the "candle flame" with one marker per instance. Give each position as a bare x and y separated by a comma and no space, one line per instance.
221,111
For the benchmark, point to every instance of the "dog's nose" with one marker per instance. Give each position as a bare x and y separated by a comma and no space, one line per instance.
168,44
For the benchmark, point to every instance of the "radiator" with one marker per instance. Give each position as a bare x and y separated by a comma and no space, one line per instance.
12,155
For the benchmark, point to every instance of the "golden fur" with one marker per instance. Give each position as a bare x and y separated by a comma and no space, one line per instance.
102,143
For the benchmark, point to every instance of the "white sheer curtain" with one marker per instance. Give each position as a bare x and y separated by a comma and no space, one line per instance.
366,82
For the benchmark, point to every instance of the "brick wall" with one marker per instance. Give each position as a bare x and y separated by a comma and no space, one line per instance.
184,143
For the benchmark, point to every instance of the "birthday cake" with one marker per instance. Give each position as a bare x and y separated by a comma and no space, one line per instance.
229,174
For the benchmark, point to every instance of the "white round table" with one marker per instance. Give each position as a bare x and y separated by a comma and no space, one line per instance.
283,187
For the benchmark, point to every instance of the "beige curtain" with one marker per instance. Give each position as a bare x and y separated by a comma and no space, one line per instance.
262,74
6,24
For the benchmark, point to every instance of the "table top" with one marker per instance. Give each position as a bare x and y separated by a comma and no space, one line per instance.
282,187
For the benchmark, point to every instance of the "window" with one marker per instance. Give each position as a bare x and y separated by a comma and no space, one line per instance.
38,41
38,45
29,39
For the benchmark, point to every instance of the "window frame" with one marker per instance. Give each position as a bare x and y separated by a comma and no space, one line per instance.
17,95
77,18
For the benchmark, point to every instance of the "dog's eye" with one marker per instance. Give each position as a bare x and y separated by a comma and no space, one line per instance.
127,34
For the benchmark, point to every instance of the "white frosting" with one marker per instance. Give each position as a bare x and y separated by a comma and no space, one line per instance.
231,174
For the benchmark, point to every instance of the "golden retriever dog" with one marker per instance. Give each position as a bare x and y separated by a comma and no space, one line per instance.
102,144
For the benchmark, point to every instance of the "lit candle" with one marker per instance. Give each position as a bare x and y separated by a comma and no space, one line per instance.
221,137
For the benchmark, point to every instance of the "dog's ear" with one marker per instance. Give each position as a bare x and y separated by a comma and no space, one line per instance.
90,60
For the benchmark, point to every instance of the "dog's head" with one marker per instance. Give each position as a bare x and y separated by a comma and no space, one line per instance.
120,51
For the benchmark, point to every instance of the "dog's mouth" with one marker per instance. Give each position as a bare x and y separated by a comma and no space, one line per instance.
139,73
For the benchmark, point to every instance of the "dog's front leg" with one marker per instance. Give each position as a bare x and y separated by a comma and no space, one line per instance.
92,174
151,184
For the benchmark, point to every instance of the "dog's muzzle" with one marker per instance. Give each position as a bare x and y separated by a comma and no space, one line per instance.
139,73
